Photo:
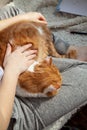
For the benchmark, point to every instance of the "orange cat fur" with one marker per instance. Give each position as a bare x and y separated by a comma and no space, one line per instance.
45,79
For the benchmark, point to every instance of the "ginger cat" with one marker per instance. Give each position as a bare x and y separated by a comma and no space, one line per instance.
43,77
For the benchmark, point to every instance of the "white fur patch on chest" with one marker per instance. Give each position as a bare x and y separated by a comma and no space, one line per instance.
31,67
40,30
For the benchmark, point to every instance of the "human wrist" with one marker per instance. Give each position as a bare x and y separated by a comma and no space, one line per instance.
21,17
11,71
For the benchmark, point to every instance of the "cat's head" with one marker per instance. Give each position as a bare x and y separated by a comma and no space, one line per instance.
44,81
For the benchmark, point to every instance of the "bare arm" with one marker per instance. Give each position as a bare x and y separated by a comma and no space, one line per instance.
15,63
7,93
31,16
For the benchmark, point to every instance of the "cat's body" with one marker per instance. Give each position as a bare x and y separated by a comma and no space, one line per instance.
26,32
44,79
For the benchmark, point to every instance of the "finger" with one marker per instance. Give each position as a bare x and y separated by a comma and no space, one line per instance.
30,52
30,57
8,51
25,47
42,22
42,18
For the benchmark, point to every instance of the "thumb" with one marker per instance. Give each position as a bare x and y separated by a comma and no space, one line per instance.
8,51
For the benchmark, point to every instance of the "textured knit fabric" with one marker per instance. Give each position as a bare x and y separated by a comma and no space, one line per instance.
4,2
37,113
9,11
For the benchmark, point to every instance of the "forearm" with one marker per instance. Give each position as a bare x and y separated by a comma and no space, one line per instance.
5,23
7,94
31,16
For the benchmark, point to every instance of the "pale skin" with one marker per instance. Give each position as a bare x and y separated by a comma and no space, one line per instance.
31,16
14,64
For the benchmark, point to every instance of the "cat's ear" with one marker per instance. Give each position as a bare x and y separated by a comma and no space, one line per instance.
49,60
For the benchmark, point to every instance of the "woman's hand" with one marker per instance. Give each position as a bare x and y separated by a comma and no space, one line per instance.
19,60
14,63
33,16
